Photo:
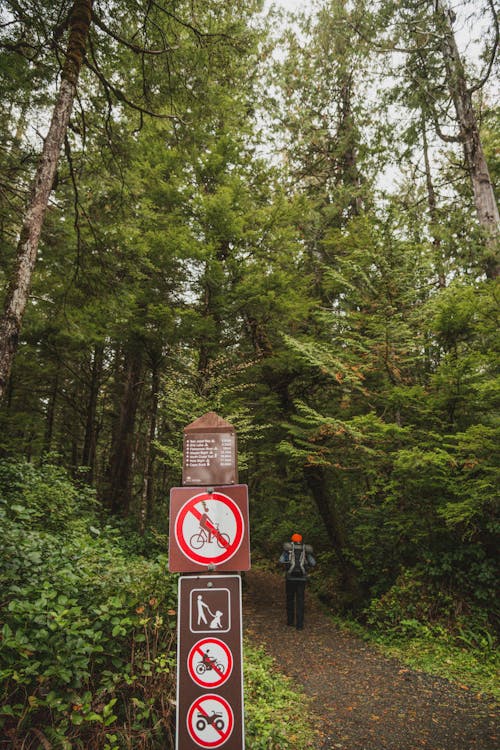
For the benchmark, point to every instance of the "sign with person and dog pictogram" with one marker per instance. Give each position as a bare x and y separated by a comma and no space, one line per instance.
209,658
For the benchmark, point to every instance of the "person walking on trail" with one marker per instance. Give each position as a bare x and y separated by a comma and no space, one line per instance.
297,559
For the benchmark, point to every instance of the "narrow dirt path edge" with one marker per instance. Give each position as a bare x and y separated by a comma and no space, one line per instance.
362,700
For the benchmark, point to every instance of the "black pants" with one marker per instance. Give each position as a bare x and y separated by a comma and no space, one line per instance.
295,590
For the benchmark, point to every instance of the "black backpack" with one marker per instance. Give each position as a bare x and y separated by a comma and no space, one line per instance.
297,560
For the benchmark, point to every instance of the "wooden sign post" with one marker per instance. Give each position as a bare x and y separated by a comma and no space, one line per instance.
209,535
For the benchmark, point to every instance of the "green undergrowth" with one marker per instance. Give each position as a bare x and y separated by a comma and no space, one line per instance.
471,670
276,712
87,627
433,651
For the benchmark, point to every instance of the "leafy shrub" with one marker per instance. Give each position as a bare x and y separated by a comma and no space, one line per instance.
41,496
272,721
418,605
87,630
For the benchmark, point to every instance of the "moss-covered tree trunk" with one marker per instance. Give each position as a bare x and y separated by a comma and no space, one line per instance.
19,288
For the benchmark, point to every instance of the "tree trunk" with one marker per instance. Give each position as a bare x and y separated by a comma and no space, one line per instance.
122,450
346,134
316,481
18,292
432,203
90,440
51,410
147,488
482,186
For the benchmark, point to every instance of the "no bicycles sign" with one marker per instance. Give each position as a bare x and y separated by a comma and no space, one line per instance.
209,529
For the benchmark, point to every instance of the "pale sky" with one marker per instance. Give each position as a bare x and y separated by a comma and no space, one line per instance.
289,4
468,29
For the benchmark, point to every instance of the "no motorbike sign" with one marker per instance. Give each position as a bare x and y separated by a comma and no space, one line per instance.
209,529
210,663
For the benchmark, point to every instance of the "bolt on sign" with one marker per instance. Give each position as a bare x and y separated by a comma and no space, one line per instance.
209,663
209,452
209,529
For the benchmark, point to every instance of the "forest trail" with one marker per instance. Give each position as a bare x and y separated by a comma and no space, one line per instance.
362,700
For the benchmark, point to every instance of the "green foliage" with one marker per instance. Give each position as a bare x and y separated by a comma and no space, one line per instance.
430,650
433,601
42,497
272,721
87,630
412,496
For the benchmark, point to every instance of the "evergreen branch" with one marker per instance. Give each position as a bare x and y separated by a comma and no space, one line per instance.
22,48
136,48
384,48
106,92
118,93
199,34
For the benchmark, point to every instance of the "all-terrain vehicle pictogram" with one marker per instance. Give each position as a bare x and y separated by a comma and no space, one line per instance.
215,719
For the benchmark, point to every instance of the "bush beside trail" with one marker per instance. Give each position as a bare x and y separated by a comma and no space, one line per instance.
87,628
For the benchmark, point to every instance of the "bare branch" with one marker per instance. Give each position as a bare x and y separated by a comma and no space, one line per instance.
444,137
494,51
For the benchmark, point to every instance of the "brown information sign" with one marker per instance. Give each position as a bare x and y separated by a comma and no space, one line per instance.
209,663
209,452
208,529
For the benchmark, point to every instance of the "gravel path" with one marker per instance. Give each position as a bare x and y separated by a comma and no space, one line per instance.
361,699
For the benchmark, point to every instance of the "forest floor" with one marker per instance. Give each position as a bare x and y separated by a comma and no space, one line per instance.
360,699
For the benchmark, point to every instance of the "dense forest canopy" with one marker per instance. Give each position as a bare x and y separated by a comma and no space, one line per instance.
290,222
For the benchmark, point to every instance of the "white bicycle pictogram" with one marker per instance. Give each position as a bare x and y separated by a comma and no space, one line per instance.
205,536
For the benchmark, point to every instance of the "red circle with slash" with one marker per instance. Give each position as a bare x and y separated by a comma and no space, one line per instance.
210,720
202,545
210,662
